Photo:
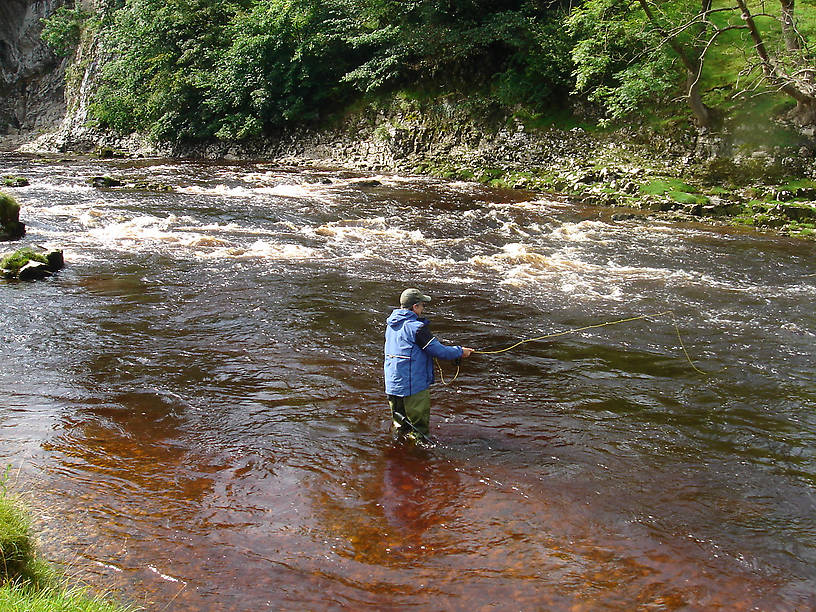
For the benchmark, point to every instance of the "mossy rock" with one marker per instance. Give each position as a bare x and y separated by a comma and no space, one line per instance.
10,180
688,198
104,182
10,226
801,213
13,263
111,153
27,264
9,209
666,185
766,220
722,171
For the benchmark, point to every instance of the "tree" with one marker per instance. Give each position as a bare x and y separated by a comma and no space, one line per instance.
621,57
787,69
514,47
629,52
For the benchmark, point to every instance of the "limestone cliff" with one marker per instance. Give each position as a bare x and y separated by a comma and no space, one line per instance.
32,78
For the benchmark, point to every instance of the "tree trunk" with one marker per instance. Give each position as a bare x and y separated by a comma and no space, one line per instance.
778,79
702,113
693,64
792,42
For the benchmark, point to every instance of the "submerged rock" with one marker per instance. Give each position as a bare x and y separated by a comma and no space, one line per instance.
104,182
108,182
148,186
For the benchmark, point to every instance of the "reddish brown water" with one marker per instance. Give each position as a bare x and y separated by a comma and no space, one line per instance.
194,405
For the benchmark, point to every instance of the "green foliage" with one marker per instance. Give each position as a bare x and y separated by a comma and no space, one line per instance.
187,70
663,186
164,53
538,73
28,583
518,50
62,30
285,64
16,545
621,62
232,69
53,599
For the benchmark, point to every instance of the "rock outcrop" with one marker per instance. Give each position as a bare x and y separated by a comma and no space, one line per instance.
32,78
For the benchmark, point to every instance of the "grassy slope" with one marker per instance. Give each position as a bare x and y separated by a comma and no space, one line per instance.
27,583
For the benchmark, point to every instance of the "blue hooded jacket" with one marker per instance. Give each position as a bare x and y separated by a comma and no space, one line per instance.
409,352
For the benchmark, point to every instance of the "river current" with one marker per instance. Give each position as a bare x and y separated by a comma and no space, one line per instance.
194,405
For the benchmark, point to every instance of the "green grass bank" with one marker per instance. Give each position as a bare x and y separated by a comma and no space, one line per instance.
27,583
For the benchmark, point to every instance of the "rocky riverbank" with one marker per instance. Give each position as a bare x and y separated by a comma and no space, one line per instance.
689,176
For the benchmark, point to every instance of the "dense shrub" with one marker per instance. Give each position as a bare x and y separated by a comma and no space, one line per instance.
232,69
62,30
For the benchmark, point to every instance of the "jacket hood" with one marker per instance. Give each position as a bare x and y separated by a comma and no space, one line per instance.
400,316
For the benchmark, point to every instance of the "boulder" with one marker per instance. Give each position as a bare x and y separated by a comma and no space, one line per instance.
28,264
56,260
10,226
104,182
34,270
110,153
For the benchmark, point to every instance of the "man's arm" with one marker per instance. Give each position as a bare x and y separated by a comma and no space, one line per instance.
429,343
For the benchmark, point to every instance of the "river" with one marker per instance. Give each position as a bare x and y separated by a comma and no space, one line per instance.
194,405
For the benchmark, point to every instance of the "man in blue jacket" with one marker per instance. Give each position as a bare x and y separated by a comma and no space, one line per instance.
409,369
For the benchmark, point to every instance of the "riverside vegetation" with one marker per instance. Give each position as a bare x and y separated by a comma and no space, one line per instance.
729,84
28,583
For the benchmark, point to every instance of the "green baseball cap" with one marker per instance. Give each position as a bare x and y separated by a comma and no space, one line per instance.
412,296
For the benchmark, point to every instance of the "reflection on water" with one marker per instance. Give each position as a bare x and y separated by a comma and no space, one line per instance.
198,397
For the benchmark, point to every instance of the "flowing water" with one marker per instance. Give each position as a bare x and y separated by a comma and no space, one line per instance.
194,405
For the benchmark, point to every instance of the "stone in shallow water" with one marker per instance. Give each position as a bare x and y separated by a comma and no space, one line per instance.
14,181
27,264
34,270
101,182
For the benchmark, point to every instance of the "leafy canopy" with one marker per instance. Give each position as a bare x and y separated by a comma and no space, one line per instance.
183,70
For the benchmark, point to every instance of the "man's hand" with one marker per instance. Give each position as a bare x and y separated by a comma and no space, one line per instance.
466,352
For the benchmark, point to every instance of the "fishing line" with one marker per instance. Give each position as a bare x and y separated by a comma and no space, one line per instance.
580,329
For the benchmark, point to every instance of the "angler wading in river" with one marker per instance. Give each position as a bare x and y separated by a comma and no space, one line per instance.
410,349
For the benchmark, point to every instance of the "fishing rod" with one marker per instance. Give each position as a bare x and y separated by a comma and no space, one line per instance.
406,421
580,329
